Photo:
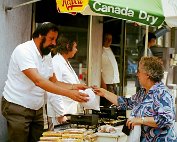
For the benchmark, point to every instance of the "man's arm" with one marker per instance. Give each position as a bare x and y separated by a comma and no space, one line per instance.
68,85
50,86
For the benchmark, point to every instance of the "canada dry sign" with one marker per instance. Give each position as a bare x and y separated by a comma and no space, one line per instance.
125,13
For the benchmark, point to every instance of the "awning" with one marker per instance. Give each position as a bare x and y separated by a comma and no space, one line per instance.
148,12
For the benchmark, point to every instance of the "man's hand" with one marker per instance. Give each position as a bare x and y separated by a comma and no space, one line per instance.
79,86
78,96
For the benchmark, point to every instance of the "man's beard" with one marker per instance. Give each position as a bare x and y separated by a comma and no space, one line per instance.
45,50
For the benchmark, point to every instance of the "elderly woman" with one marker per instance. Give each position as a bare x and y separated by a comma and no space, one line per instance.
152,106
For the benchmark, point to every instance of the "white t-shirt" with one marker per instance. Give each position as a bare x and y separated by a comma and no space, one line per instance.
149,52
19,89
60,105
110,73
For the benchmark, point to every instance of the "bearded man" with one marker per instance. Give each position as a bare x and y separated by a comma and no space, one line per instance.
30,74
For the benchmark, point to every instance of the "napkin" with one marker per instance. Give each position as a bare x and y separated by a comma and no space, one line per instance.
93,102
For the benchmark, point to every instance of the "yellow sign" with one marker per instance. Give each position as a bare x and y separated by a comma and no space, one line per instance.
66,6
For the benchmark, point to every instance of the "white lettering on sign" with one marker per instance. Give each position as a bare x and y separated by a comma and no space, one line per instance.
117,10
97,6
148,18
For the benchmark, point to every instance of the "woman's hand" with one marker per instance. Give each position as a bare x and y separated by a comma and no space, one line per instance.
99,91
106,94
62,119
131,122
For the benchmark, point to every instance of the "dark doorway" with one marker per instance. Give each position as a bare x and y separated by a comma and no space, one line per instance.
46,12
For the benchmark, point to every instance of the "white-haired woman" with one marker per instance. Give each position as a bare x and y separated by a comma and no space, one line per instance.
152,106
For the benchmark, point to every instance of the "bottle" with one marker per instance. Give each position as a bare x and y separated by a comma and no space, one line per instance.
81,74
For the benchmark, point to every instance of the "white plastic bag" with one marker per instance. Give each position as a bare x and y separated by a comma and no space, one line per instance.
135,134
93,102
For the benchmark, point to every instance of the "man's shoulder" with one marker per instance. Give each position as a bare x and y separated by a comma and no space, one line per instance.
25,45
29,42
25,49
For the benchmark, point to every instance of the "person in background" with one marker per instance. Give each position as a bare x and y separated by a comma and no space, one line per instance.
58,106
141,50
151,43
152,106
110,72
30,74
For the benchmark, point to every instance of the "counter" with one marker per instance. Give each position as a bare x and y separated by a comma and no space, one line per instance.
118,136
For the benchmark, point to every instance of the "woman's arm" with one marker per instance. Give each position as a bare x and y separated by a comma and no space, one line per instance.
106,94
110,96
148,121
164,108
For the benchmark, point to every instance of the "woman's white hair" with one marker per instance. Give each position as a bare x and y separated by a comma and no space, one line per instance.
153,66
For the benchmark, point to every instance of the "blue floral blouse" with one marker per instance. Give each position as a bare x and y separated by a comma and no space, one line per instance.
157,103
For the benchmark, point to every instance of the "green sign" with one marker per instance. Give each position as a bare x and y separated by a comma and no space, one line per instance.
133,10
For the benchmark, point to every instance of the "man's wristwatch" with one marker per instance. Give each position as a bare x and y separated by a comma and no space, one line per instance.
142,119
